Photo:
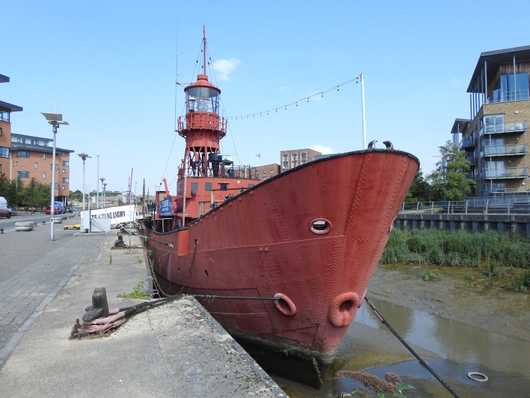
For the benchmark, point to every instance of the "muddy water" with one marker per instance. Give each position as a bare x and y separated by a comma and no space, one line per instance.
452,348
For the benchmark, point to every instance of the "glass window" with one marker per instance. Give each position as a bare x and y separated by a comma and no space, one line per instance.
66,163
22,174
4,152
208,186
65,179
494,124
508,88
202,99
223,186
44,176
1,132
194,188
23,154
4,116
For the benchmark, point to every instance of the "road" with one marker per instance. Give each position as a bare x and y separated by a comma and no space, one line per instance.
8,224
32,270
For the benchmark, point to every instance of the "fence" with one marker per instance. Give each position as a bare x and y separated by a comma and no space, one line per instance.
491,206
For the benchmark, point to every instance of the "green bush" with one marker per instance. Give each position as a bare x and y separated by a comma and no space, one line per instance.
456,249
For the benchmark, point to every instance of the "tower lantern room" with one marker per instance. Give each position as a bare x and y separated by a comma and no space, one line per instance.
202,127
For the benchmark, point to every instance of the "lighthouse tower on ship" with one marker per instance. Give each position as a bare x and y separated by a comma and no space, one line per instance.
205,178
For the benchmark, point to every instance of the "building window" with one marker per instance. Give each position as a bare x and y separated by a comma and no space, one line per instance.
285,164
223,186
43,176
494,124
4,116
36,165
508,88
22,174
66,163
208,186
23,154
304,157
1,132
194,188
4,152
65,180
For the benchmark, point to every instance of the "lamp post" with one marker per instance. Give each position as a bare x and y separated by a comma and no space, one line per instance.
84,157
97,190
104,190
55,119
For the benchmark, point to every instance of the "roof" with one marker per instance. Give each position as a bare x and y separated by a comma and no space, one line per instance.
494,59
16,146
459,125
202,81
4,78
30,136
6,106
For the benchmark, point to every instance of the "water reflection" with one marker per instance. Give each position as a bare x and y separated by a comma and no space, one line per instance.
451,347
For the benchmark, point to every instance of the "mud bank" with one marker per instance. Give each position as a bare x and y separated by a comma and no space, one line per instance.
451,295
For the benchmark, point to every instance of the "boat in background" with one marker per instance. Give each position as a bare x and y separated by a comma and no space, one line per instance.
286,261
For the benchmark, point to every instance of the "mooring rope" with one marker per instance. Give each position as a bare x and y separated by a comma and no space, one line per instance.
409,348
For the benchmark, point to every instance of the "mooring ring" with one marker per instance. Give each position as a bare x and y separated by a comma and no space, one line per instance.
478,376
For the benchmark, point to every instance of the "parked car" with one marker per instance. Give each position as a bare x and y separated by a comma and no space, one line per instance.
58,208
5,212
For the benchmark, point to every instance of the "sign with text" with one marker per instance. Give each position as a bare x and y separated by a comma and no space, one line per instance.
116,215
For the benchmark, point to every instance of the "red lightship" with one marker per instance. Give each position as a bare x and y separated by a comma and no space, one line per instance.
287,259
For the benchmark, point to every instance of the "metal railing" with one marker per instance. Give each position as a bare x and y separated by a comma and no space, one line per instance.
470,206
467,142
515,172
515,127
508,96
508,149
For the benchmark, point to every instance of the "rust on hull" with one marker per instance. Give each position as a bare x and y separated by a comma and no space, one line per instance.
311,237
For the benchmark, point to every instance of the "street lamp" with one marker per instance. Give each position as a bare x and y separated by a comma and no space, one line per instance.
55,119
97,190
104,189
84,157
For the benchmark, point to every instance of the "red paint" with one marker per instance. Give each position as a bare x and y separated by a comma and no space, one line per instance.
311,236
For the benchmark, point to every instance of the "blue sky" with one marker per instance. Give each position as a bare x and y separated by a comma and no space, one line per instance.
110,68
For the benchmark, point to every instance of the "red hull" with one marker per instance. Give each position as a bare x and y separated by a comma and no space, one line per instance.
260,243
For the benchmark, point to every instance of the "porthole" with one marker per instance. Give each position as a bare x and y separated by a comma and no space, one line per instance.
320,226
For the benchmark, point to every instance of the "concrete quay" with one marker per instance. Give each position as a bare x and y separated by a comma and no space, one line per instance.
175,350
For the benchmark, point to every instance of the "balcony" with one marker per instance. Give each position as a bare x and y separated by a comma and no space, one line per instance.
506,128
505,174
467,143
504,150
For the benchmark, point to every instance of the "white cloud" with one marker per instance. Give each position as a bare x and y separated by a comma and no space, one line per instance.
324,150
225,67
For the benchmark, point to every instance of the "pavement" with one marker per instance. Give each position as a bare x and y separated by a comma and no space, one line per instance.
176,350
32,271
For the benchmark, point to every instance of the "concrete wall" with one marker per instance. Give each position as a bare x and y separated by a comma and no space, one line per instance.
513,224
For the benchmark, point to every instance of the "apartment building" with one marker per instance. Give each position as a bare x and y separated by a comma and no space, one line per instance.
6,109
31,157
265,171
295,157
495,137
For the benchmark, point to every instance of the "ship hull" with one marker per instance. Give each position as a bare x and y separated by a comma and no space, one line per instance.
310,238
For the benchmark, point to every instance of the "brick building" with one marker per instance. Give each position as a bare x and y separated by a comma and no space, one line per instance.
296,157
495,138
265,171
5,130
31,157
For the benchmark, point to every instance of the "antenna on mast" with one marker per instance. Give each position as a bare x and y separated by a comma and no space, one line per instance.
204,49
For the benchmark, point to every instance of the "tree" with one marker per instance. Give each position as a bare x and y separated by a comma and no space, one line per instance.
450,180
420,190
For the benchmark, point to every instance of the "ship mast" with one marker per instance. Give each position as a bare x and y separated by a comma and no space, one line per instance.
204,57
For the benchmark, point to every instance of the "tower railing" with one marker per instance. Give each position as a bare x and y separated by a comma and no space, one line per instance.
202,120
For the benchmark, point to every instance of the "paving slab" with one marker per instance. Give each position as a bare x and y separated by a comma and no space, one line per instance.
176,350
